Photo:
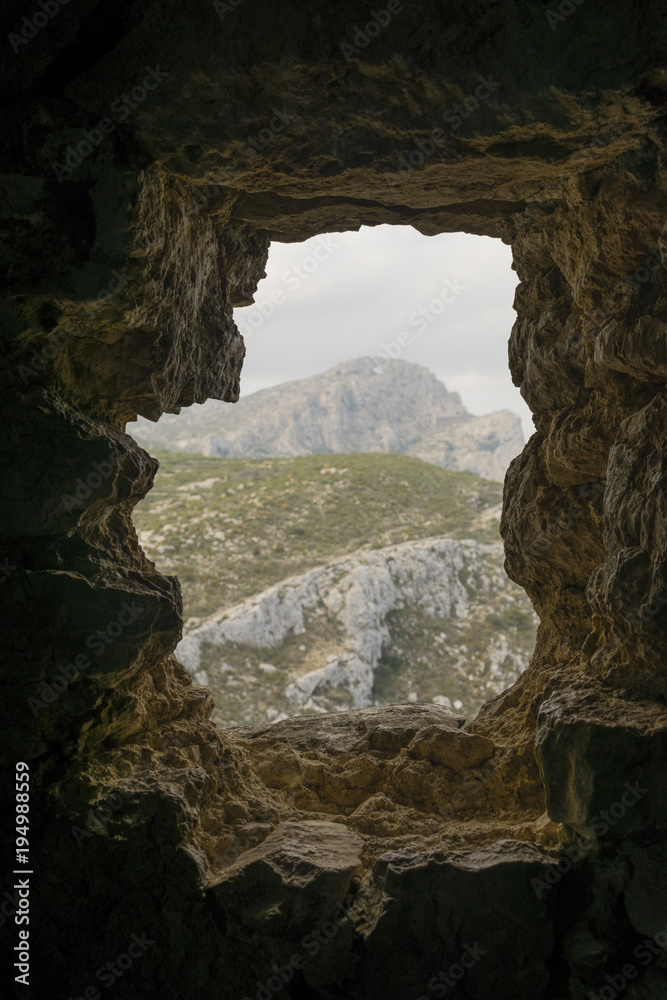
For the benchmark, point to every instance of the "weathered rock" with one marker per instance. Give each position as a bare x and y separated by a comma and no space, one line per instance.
469,917
303,869
126,251
385,729
298,878
646,893
458,751
602,762
440,577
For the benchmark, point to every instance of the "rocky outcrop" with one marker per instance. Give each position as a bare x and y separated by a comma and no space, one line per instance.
151,153
484,445
369,404
628,795
348,604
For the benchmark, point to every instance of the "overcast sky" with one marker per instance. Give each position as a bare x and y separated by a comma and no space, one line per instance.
444,302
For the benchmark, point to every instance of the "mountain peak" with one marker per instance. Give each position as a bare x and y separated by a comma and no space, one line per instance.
365,404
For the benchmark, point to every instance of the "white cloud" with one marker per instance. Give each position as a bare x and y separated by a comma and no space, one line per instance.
363,293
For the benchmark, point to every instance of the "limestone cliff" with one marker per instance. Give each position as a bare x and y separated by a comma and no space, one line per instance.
344,617
365,405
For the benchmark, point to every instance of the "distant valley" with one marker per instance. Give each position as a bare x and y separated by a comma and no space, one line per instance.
325,582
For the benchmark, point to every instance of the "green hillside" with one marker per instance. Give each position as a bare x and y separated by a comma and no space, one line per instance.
229,528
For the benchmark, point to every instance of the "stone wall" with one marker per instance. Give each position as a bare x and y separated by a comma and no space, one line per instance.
379,851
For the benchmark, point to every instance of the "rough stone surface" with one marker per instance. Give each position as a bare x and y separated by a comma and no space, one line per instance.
443,577
311,862
123,267
458,751
459,911
602,763
645,896
388,728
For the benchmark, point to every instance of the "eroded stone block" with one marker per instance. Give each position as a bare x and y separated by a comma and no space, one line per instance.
602,761
456,750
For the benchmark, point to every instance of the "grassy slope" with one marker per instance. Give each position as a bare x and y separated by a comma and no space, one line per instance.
263,520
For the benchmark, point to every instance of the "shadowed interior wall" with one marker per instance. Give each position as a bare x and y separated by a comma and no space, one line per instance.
137,214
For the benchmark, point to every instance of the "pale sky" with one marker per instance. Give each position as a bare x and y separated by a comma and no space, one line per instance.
345,295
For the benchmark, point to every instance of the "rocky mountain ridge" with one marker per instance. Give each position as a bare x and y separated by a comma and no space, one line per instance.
313,584
364,405
337,628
